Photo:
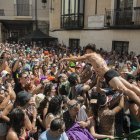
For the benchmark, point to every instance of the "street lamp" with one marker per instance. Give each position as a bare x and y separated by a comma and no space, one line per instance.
44,3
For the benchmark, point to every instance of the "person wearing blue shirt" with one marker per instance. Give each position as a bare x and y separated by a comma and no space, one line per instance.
55,132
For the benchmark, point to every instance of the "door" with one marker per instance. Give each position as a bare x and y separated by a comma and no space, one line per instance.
74,45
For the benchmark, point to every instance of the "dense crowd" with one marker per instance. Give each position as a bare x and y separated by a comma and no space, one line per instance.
45,98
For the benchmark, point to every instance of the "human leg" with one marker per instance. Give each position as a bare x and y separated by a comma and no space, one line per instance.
117,84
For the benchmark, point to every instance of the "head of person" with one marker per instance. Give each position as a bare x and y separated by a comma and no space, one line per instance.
53,67
17,118
35,70
48,89
55,105
44,69
3,55
62,78
90,48
81,100
57,126
23,99
73,108
129,65
24,77
102,100
73,79
20,65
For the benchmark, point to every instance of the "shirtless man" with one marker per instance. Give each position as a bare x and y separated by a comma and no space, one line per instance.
111,76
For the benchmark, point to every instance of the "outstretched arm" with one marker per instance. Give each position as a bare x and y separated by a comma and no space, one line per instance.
74,58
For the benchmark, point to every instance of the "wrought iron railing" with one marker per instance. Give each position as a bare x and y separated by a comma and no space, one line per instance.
72,21
118,18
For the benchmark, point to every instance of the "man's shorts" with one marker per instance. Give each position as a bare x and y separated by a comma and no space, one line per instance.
110,74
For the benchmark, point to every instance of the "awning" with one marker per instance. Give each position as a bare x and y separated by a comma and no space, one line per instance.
38,35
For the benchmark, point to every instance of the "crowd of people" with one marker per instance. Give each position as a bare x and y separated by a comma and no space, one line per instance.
56,94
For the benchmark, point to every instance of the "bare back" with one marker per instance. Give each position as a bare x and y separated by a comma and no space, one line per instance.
98,63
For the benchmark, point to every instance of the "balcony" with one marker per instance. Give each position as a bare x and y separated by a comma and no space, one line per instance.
125,19
72,21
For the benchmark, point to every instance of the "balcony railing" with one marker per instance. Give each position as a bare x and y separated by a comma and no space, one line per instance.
72,21
123,18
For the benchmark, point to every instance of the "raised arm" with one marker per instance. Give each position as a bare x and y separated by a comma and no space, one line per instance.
75,58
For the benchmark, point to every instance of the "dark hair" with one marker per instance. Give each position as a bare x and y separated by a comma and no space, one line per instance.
91,47
56,124
2,55
17,118
22,98
72,79
62,90
47,89
44,69
55,105
102,100
138,78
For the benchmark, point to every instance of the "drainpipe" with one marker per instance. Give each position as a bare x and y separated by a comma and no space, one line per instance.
96,7
36,22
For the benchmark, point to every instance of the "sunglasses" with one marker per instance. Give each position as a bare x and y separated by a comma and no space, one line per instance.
73,106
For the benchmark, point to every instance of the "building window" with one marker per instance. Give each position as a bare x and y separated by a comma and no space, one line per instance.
120,47
23,7
125,4
74,45
72,14
2,12
124,12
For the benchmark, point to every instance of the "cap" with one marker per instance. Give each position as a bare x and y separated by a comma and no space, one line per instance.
23,98
72,64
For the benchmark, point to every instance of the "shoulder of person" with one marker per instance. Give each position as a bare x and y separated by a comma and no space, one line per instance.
12,136
43,135
49,116
64,136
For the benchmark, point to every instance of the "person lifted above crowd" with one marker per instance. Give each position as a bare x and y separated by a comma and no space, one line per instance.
111,76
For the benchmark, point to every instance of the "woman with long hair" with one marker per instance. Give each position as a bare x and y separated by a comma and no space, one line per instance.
54,110
17,129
